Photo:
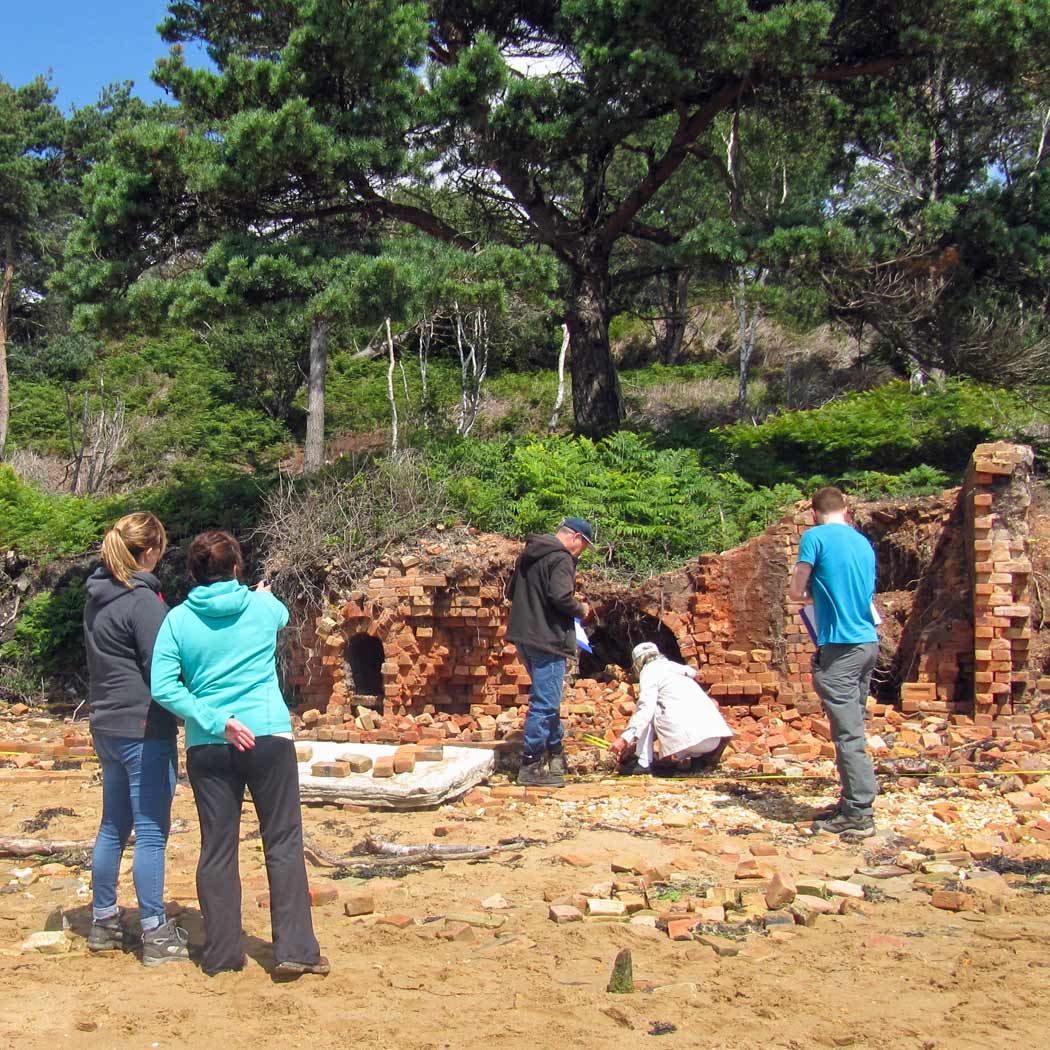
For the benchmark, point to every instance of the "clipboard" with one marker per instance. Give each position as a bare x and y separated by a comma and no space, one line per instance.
582,641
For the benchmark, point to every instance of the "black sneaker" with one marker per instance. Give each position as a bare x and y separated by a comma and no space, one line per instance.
536,774
848,826
106,935
167,943
631,767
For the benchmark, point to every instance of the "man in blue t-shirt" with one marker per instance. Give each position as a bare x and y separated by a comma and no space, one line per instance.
836,572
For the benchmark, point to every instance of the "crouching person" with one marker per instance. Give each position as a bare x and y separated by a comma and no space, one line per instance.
674,710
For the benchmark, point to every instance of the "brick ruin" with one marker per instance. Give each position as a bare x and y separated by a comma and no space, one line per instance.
417,652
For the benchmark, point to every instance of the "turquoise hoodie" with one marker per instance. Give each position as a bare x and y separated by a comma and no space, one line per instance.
214,660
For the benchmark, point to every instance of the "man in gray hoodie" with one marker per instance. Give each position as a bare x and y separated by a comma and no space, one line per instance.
542,613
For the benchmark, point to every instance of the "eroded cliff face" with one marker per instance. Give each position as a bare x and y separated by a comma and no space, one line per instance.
418,651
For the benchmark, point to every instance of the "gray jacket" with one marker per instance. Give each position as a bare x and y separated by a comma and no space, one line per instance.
120,629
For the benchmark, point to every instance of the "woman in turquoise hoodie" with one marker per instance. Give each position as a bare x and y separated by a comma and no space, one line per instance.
214,666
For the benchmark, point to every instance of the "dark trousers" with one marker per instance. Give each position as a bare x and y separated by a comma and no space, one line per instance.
219,774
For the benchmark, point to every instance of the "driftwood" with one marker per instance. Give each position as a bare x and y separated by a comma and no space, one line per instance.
385,854
20,847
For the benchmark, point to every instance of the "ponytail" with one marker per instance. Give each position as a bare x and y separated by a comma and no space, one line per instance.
128,538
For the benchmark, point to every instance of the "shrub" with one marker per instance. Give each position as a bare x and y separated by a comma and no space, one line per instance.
891,429
49,633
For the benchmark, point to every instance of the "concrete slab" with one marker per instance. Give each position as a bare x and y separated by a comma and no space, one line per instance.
429,784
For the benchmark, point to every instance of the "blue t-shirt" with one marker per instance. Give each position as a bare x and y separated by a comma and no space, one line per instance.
842,583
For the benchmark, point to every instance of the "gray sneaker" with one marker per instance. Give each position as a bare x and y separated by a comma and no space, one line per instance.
167,943
106,935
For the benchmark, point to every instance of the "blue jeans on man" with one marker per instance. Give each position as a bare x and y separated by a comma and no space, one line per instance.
138,785
543,728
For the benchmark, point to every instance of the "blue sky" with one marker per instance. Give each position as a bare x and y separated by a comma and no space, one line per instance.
86,46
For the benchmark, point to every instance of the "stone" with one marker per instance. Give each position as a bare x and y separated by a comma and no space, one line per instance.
303,752
383,766
605,906
357,763
780,891
752,869
574,860
951,900
722,946
359,904
681,929
621,981
330,769
323,895
841,888
496,902
562,913
885,942
633,902
399,922
460,932
47,942
473,918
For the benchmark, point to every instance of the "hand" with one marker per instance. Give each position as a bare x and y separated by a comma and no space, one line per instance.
263,585
618,746
588,612
238,734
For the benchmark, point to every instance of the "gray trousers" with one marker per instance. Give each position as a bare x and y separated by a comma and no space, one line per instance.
841,676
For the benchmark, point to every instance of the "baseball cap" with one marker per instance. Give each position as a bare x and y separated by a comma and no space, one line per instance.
580,525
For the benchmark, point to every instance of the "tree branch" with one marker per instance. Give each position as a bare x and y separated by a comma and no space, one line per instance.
426,221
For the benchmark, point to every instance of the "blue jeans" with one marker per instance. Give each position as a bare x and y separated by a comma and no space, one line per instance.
138,784
543,728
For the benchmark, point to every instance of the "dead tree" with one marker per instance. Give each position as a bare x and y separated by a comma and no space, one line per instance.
96,436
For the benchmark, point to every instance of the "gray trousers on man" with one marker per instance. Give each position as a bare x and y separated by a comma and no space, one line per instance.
841,676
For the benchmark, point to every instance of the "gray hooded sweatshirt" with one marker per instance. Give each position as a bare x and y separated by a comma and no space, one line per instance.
120,629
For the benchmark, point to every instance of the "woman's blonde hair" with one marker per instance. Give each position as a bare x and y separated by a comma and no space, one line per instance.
128,538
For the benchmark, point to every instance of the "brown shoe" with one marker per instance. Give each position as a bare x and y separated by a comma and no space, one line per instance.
288,968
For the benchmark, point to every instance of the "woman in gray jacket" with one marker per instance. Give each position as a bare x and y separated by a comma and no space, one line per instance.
134,737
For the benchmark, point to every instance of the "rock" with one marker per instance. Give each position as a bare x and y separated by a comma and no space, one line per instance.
840,888
399,922
951,900
323,895
885,942
384,766
359,904
47,942
357,763
752,869
722,945
605,907
681,929
496,902
473,918
303,752
780,891
562,913
621,981
459,932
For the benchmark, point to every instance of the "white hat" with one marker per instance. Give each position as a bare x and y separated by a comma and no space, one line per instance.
642,653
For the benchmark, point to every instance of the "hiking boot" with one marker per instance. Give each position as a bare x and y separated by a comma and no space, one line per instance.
849,826
107,935
631,767
827,812
556,765
288,968
534,773
167,943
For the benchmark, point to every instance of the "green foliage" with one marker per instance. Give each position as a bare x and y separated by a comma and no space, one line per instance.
39,524
891,429
653,508
49,632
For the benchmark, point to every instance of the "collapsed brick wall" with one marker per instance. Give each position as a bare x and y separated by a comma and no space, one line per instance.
426,633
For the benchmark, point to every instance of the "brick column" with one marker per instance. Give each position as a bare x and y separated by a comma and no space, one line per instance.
998,494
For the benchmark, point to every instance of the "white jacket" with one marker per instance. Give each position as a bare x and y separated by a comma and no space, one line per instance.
681,713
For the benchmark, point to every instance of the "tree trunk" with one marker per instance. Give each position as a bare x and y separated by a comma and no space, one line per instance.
552,425
313,456
677,314
596,398
747,318
6,288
